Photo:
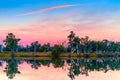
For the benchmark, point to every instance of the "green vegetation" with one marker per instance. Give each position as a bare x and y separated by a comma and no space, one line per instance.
76,46
11,42
57,49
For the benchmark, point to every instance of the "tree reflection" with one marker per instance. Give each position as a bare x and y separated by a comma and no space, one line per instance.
35,64
75,67
11,68
45,62
83,67
1,63
57,63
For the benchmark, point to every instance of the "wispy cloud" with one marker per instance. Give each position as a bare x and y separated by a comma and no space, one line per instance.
46,10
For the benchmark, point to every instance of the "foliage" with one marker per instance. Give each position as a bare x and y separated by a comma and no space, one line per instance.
71,40
58,49
11,41
76,44
35,46
45,48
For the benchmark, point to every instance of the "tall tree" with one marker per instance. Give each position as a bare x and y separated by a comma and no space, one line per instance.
11,42
35,46
76,44
84,42
71,41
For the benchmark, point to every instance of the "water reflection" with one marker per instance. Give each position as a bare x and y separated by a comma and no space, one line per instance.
75,67
11,68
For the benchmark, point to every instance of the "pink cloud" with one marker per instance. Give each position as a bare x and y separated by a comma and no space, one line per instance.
47,9
56,30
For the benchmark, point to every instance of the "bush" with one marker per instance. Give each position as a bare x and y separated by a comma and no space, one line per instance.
58,49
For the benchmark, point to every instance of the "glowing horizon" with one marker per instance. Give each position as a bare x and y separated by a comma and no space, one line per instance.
51,21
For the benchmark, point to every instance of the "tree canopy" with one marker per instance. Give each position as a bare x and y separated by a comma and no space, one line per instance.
11,41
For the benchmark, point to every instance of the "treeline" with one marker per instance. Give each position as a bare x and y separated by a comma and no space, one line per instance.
85,45
75,43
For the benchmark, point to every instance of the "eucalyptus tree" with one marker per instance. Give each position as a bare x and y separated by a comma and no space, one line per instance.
71,41
45,48
11,42
35,46
84,43
1,48
76,44
105,45
57,49
118,46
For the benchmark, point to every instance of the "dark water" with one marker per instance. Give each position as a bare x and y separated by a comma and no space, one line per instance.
57,69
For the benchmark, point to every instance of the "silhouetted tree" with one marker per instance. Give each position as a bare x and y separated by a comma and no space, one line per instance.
57,49
11,42
71,41
35,46
45,48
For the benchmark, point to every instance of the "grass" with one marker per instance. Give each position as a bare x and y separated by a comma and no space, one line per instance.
38,54
22,54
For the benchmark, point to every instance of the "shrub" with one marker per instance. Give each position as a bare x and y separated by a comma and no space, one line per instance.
57,49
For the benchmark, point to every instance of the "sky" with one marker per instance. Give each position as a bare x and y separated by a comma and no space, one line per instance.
52,20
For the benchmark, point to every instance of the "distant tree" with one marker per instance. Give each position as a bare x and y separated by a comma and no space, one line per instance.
1,48
27,48
58,49
84,43
35,46
105,45
11,42
71,41
45,48
21,48
76,44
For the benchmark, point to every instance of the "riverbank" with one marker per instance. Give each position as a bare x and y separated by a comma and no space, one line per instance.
38,54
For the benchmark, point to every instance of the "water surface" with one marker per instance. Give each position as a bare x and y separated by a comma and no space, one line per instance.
57,69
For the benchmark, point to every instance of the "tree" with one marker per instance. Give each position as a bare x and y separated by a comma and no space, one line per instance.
45,48
11,42
84,43
76,44
1,48
71,40
58,49
105,45
35,46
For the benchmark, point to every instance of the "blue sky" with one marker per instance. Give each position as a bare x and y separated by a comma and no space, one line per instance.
11,8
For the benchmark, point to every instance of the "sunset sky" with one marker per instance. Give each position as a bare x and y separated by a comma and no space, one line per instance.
52,20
